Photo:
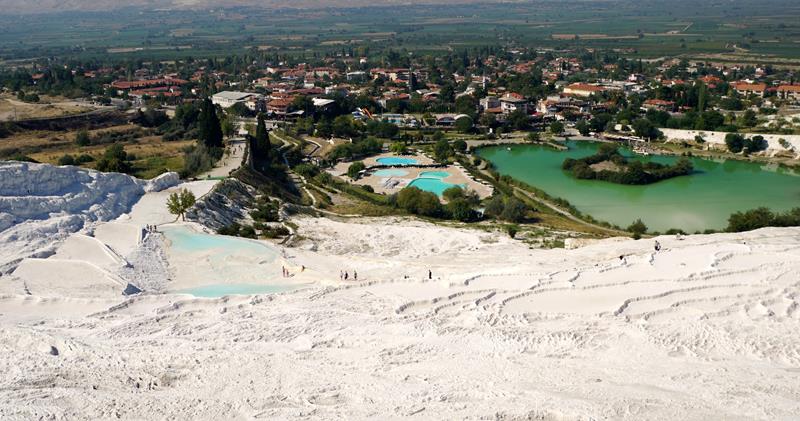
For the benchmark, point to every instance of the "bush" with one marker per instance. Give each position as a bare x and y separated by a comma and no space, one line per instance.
307,170
114,160
762,217
460,145
460,210
637,228
66,160
355,169
512,230
419,202
453,193
734,142
82,138
514,210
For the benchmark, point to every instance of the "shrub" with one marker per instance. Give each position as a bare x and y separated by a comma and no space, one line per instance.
82,138
114,160
514,210
355,169
419,202
637,228
66,160
512,230
734,142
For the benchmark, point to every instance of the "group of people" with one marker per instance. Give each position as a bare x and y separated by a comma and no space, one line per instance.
151,228
285,271
344,275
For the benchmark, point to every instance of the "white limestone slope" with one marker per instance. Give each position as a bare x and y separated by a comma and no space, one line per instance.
704,329
40,204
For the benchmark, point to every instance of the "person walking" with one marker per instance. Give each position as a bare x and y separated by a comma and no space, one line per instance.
430,275
355,275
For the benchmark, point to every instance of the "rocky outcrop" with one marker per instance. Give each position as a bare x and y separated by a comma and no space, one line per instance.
42,204
229,202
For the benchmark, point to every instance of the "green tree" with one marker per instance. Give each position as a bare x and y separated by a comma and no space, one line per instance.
461,210
180,202
464,124
209,131
460,145
114,159
645,129
82,138
556,127
583,127
227,126
637,228
514,210
749,119
355,168
442,150
398,148
262,149
453,193
734,142
533,137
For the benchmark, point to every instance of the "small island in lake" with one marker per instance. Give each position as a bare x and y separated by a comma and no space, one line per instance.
609,165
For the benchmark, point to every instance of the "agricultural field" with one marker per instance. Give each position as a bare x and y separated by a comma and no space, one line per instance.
644,29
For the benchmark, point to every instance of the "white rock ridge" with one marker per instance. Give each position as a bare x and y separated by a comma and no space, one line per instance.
41,204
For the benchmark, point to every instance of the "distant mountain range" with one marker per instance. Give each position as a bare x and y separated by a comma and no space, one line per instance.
50,6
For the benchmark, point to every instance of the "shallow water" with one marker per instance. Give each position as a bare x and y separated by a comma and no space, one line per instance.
390,173
222,265
433,185
699,201
435,174
221,290
396,160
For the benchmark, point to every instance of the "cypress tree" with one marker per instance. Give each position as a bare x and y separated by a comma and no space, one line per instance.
209,130
262,145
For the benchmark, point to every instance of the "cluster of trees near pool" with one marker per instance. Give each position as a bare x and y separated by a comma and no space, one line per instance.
630,172
460,205
762,218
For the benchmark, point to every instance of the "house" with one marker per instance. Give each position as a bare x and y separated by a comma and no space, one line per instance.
746,89
791,92
127,85
226,99
512,102
582,89
279,105
489,102
357,75
658,104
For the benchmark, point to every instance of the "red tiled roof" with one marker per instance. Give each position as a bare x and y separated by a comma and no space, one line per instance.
125,84
789,88
744,86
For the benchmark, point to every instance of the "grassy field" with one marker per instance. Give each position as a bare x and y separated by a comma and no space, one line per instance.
641,28
13,109
152,155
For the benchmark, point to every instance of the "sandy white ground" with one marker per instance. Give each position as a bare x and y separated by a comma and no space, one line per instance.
704,329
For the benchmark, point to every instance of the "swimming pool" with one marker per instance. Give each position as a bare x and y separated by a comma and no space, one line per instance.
434,174
397,160
221,290
390,173
432,184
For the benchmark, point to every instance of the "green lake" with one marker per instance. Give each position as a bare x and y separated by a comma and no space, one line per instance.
700,201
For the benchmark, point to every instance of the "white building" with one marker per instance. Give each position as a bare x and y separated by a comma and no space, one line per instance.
227,99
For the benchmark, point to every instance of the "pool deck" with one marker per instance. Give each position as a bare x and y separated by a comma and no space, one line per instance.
394,184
